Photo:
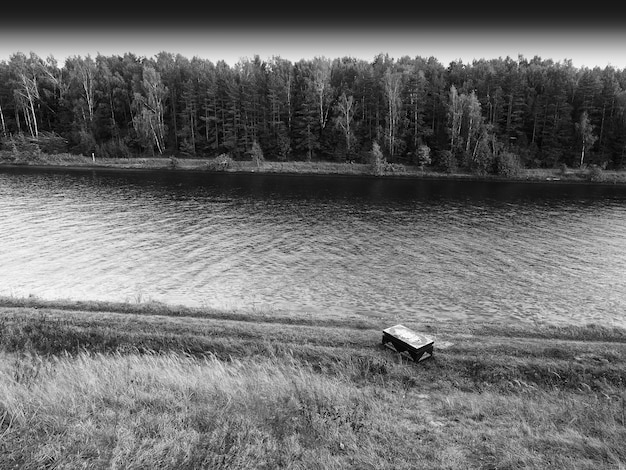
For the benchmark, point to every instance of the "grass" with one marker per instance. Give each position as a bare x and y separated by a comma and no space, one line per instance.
588,174
174,411
105,385
576,175
326,168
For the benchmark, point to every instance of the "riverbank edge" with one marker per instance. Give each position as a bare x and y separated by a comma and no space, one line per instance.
590,331
327,169
490,391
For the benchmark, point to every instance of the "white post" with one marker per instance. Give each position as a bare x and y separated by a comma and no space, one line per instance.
93,157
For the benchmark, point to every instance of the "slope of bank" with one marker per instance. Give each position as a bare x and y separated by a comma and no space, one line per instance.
67,161
108,385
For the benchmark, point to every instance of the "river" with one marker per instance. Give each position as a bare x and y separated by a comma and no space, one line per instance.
419,249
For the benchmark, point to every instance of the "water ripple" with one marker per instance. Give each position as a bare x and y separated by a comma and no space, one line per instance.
318,245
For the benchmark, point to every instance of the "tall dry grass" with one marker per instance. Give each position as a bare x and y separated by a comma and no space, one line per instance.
91,385
540,430
172,411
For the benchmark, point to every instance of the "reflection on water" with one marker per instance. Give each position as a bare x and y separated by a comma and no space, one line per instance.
420,249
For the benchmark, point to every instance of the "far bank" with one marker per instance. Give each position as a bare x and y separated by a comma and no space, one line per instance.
592,174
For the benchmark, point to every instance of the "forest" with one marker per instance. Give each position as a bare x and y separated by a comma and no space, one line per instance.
483,117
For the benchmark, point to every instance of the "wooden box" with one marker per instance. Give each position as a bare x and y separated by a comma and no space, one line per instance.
405,341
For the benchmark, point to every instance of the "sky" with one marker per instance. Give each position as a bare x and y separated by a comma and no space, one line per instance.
447,32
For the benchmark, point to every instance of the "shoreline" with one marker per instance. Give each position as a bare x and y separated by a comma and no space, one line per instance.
322,168
287,391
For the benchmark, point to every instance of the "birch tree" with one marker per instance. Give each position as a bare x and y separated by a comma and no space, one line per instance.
26,92
474,122
4,127
585,132
321,85
83,73
148,120
280,97
110,86
345,110
82,81
415,113
455,116
392,86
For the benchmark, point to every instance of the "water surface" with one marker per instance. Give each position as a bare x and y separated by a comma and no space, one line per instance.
420,249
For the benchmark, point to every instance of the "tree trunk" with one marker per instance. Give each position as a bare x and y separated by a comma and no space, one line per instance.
174,121
469,134
4,128
88,88
156,138
415,129
582,154
509,114
17,120
602,125
217,128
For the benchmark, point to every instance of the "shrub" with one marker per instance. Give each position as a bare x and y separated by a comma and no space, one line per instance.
112,149
507,164
187,149
395,168
379,163
174,163
423,156
22,148
447,161
283,146
85,143
596,174
256,152
482,160
52,143
377,160
220,163
27,149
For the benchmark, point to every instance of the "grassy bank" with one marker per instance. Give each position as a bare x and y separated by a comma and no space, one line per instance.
101,385
576,175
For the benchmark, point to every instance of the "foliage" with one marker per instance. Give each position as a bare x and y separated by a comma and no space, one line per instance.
379,164
321,109
507,164
220,163
377,160
187,148
596,174
51,143
447,162
21,147
174,163
423,156
584,128
395,168
256,153
112,149
149,111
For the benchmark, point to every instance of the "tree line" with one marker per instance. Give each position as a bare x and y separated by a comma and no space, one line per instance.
537,113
